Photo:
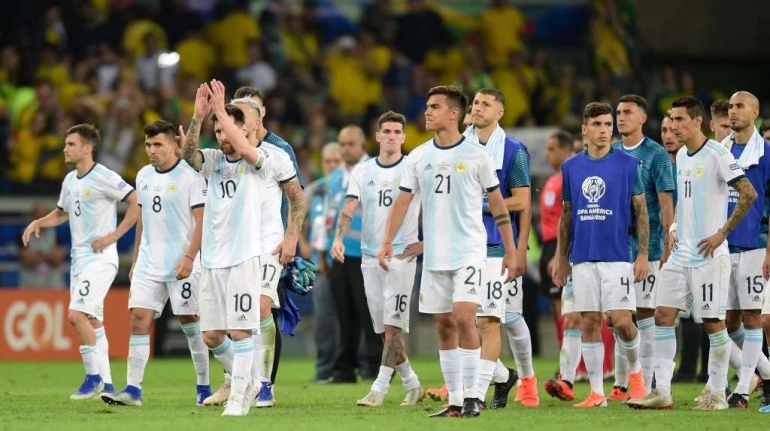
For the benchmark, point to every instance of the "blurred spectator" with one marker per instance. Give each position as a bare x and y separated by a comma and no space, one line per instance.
153,71
258,73
230,36
378,19
196,54
348,79
473,76
301,44
517,81
502,29
43,261
764,130
415,132
418,30
54,34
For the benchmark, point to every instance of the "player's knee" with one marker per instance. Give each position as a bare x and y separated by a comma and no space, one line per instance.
188,319
445,325
712,326
76,317
572,321
391,333
766,322
665,316
751,319
591,322
213,339
489,325
139,322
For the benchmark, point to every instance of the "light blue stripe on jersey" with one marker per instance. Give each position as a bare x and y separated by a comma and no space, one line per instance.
278,142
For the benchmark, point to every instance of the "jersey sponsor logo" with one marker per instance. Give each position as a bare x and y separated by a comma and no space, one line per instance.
242,318
756,298
734,167
122,185
594,189
172,187
460,166
185,304
428,167
204,192
396,316
371,183
648,296
624,299
699,172
706,307
145,188
491,305
472,291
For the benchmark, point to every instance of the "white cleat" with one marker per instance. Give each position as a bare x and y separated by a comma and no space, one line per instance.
413,396
716,401
219,397
234,408
249,396
372,399
704,394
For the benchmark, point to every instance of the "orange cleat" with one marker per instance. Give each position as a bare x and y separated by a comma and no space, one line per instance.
636,385
618,393
528,391
519,393
560,389
440,394
593,400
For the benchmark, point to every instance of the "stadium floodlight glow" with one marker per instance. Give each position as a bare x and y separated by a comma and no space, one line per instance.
168,59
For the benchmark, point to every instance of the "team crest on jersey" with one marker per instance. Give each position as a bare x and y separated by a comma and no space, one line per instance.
699,172
87,193
172,187
460,166
241,170
593,189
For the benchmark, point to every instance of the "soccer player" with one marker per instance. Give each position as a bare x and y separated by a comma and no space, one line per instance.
748,248
166,265
658,186
698,269
237,175
720,121
451,174
88,200
600,188
373,184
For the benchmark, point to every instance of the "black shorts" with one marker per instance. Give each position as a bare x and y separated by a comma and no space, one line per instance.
547,286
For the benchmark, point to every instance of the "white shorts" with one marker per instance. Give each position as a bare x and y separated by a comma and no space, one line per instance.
89,288
439,290
604,286
270,273
493,291
765,302
153,294
229,297
645,289
747,285
703,289
568,297
388,292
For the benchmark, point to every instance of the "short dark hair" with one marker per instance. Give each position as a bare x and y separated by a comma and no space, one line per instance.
232,111
694,106
498,95
160,127
595,109
248,92
89,133
455,97
640,101
564,139
764,127
719,108
391,117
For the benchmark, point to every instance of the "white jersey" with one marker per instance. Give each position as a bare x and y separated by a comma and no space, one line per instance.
167,199
702,193
90,202
451,182
232,221
376,186
283,172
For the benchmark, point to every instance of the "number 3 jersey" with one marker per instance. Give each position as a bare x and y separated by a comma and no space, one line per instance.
376,187
90,203
167,199
451,182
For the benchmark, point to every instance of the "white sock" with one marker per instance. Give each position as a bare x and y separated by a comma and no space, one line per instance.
631,354
104,355
621,363
408,376
736,355
198,351
264,345
720,350
224,354
243,360
665,351
486,372
593,355
90,359
521,343
752,350
382,382
449,360
647,349
138,355
469,363
501,374
569,356
763,366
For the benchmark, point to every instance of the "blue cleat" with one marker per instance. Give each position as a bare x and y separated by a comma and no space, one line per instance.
91,387
204,391
764,409
265,396
130,396
108,388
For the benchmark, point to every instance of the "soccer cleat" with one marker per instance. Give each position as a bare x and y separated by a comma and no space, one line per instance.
265,397
219,397
655,400
203,391
755,384
249,396
716,401
519,395
108,388
764,409
448,412
471,408
593,400
440,394
528,391
636,386
91,387
500,397
413,396
765,397
234,407
130,396
618,393
372,399
560,389
704,394
738,401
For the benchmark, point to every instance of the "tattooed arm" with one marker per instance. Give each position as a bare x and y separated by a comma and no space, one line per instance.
641,265
288,248
190,152
746,197
343,224
565,245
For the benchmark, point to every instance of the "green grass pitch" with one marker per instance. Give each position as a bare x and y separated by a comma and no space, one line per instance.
35,396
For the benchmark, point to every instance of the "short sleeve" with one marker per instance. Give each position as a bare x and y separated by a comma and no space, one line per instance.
281,167
409,181
638,186
565,195
117,188
209,158
661,172
197,192
728,169
354,183
487,174
518,173
63,203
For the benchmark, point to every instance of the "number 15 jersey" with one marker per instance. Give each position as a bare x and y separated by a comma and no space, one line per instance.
451,182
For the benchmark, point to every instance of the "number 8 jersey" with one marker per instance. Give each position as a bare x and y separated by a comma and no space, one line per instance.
451,182
167,199
376,186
